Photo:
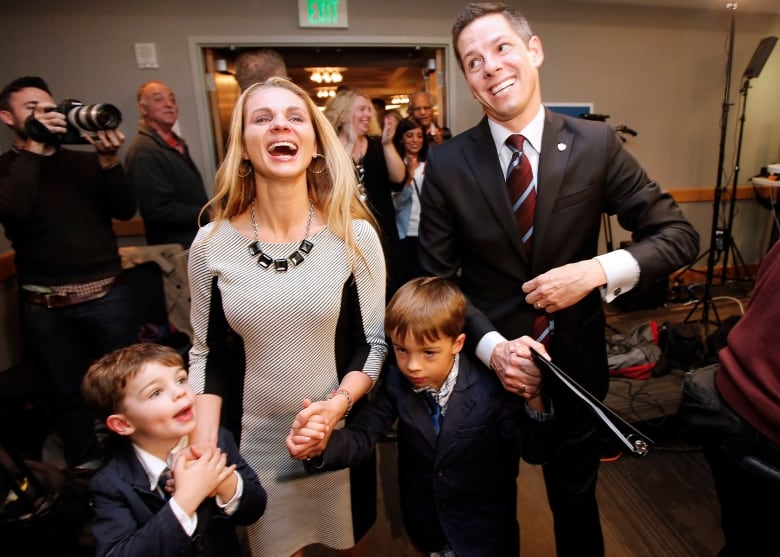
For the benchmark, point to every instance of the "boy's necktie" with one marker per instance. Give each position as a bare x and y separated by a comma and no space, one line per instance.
162,480
434,409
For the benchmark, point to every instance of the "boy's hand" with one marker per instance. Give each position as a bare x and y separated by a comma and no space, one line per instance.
197,479
310,431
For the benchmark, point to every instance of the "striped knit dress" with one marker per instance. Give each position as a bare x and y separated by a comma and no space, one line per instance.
294,325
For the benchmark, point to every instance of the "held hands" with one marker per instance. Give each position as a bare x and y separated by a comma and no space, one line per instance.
513,363
200,473
564,286
312,428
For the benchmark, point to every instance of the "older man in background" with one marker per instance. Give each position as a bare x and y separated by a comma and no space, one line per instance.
168,185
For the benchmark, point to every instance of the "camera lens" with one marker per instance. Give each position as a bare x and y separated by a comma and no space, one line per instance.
94,117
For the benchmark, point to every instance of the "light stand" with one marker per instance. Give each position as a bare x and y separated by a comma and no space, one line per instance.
753,70
716,237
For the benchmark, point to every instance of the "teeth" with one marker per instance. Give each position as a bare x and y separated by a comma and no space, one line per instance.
501,86
284,145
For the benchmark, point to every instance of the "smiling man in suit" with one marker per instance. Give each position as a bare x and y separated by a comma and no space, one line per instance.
515,221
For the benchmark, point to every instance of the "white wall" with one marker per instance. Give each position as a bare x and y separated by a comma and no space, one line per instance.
660,71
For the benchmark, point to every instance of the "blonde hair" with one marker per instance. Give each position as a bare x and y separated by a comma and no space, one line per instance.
427,309
339,111
333,190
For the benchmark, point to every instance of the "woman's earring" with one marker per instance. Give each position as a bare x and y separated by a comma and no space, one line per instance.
318,169
247,167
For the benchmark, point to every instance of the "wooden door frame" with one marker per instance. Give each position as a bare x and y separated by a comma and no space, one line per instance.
204,85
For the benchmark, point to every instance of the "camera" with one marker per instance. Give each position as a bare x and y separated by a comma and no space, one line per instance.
80,118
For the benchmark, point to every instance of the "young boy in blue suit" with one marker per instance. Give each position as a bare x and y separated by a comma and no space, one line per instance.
143,395
460,434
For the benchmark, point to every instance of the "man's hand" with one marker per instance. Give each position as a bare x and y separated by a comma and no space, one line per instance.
436,135
46,121
107,144
513,363
564,286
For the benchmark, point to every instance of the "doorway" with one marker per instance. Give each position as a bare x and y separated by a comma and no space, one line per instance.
390,73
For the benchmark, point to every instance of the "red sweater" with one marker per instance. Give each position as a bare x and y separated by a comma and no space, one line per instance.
749,377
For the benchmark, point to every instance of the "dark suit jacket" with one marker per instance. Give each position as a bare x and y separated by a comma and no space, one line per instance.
460,488
468,232
130,519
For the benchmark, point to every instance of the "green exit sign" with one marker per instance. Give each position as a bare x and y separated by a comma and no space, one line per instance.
322,13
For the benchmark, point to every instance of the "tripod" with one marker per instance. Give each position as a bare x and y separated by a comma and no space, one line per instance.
753,70
716,235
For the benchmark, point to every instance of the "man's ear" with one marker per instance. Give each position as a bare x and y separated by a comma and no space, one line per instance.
119,424
7,118
536,51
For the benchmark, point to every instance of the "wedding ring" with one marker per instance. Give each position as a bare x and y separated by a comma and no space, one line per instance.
538,305
521,389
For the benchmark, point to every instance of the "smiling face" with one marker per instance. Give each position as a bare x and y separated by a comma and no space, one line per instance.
361,114
413,141
279,136
426,364
157,408
502,72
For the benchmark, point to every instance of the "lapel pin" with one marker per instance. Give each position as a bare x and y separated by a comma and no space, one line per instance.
561,146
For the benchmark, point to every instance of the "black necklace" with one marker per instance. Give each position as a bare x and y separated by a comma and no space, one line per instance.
280,265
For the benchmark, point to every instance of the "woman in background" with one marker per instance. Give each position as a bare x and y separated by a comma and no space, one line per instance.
410,142
379,168
293,264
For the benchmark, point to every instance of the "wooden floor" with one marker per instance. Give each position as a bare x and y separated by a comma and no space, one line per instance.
663,505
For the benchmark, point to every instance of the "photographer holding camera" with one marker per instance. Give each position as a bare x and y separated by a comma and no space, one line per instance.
56,205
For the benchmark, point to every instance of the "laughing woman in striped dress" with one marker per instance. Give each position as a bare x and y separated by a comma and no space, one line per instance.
299,274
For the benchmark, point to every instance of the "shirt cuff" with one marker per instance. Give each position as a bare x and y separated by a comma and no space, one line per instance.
486,346
230,507
537,416
621,270
188,523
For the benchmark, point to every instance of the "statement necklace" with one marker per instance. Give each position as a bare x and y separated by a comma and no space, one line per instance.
280,265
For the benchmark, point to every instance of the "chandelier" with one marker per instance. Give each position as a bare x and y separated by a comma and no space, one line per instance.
326,75
325,92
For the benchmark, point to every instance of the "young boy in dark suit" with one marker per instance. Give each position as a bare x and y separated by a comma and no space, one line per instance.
460,434
142,393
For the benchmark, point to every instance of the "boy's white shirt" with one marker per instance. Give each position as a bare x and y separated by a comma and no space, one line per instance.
154,467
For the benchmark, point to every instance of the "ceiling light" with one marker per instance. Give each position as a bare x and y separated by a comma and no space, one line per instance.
326,75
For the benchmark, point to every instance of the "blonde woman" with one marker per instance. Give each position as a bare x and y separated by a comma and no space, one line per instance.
378,165
293,264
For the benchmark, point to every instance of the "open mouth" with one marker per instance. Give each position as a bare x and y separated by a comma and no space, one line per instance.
503,86
283,149
184,414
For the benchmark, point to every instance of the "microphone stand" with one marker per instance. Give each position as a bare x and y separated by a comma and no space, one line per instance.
753,70
715,233
728,238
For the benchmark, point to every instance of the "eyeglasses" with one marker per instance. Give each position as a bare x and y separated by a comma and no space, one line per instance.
421,108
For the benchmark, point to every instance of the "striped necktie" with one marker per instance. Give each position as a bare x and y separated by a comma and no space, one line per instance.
522,193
